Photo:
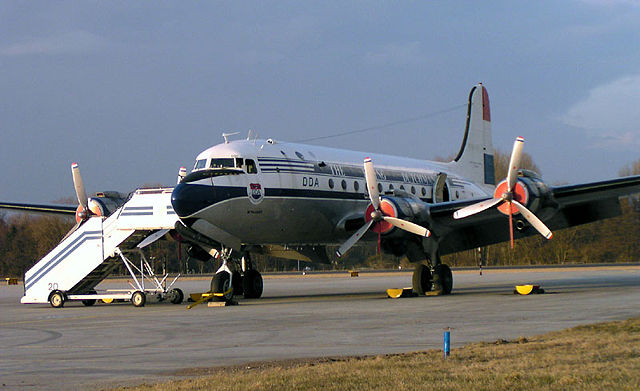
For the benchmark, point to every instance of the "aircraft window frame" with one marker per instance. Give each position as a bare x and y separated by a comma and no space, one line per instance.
356,186
251,168
379,187
413,190
331,184
230,163
210,173
298,154
200,164
343,184
391,187
423,191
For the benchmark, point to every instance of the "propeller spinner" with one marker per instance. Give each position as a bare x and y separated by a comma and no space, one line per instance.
510,195
379,213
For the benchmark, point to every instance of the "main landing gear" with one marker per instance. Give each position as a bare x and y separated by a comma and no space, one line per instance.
236,277
437,280
430,275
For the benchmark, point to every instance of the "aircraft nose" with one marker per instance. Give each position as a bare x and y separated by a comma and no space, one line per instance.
187,199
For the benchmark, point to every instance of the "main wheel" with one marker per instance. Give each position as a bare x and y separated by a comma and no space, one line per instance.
252,284
421,279
443,276
138,299
236,281
89,302
175,296
56,299
221,283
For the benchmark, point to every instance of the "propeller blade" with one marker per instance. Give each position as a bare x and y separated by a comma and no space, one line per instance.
534,220
511,226
514,162
407,226
79,186
353,239
475,208
372,183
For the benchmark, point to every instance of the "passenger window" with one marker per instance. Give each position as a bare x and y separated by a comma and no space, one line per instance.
251,166
239,162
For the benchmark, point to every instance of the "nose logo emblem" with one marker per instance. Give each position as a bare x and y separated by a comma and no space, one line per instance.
255,193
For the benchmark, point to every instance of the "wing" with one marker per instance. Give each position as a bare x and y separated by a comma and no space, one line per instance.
40,208
558,207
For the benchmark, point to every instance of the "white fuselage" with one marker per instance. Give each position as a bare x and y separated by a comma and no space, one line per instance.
294,194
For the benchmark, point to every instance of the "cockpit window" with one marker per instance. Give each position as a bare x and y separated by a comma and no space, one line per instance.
251,166
222,163
200,164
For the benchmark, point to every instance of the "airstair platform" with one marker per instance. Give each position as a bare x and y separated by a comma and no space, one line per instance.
84,258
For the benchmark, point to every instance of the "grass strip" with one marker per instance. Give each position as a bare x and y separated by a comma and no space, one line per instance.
604,356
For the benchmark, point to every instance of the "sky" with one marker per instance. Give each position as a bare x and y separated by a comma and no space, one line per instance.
132,90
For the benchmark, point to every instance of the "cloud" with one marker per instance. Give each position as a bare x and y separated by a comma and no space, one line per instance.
65,43
609,113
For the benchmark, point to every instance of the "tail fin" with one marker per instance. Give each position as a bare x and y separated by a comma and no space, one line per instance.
475,158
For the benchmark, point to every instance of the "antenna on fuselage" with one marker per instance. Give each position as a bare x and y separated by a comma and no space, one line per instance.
253,135
227,135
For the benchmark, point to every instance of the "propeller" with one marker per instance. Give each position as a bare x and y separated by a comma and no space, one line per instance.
379,213
83,210
508,196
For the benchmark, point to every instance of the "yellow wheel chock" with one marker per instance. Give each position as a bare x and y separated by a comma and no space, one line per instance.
528,289
396,293
199,298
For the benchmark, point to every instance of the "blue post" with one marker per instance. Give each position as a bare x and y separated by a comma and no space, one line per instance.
447,342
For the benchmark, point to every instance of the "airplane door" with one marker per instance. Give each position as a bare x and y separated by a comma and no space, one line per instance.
440,189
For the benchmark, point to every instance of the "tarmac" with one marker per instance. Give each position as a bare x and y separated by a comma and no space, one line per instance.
107,345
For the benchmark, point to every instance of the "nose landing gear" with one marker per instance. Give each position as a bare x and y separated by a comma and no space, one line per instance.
236,277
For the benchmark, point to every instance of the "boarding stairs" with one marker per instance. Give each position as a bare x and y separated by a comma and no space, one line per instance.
84,258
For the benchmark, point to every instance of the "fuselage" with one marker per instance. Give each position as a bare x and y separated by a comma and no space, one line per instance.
268,192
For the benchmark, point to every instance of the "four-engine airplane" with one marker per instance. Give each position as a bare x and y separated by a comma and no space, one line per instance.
294,200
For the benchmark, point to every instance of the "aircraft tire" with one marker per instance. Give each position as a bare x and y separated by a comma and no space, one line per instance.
236,280
176,296
252,284
138,299
421,280
220,284
443,277
89,302
56,299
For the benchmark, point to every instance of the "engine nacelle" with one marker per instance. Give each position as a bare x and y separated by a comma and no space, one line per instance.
103,204
529,190
404,208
